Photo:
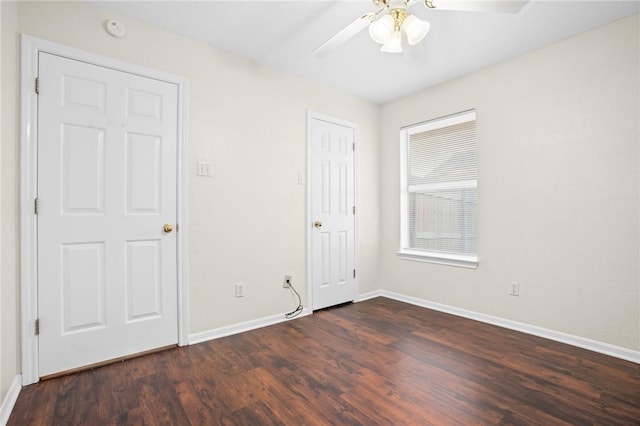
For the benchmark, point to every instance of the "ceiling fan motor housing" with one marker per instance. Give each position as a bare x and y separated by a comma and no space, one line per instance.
380,3
397,4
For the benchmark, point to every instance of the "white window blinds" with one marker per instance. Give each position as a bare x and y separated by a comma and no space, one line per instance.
439,191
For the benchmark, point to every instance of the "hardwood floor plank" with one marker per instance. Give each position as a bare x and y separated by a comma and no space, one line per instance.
376,362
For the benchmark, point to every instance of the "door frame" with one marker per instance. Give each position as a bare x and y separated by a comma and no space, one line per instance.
311,115
31,47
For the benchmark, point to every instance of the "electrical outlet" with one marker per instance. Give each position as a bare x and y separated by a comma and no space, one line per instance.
514,288
240,290
287,281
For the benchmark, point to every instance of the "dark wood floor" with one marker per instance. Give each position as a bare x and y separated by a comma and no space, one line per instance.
375,362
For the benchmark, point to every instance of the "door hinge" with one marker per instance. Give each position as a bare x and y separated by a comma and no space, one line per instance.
354,146
354,209
37,327
37,86
354,273
36,206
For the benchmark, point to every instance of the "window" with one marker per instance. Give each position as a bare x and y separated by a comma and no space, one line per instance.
439,196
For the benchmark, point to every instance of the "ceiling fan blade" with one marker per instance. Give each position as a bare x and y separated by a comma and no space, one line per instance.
345,34
498,6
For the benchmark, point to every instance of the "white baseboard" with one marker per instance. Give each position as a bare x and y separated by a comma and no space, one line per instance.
370,295
558,336
229,330
581,342
10,400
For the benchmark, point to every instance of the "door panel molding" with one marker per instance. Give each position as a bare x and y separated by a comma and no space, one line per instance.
313,115
31,47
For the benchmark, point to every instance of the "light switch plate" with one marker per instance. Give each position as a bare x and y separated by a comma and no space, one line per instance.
204,169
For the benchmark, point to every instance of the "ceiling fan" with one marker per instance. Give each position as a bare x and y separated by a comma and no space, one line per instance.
388,24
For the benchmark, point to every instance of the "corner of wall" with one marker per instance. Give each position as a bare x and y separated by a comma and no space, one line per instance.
9,351
9,400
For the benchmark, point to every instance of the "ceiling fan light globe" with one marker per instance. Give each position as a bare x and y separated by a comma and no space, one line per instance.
394,44
415,29
381,30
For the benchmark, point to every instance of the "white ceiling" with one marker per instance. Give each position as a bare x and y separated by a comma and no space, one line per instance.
282,34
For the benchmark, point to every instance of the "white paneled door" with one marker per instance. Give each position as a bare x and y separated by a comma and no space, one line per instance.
107,279
332,206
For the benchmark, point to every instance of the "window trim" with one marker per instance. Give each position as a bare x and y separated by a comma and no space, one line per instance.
405,252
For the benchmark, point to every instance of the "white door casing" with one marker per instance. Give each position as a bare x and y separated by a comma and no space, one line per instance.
332,240
106,185
98,233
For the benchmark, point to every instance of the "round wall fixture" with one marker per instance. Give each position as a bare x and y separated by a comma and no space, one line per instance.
115,28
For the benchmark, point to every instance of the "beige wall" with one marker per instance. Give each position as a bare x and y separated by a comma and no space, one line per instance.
247,224
558,188
9,223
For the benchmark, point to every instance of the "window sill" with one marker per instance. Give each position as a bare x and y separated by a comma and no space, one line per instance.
469,262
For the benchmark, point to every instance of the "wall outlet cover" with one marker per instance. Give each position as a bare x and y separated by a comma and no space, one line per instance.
286,283
514,288
240,290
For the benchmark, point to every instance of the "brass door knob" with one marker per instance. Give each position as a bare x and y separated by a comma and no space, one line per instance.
317,224
167,228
